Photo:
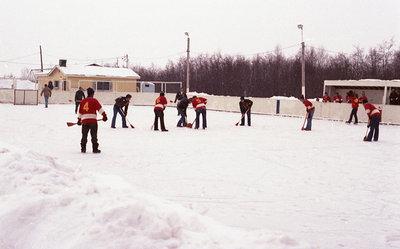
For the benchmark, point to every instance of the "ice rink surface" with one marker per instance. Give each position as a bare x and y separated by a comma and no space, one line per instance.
270,185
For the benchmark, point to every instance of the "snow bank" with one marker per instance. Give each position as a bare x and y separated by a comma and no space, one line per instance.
49,203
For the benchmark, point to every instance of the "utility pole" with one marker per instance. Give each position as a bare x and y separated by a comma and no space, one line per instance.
303,66
41,59
127,61
187,62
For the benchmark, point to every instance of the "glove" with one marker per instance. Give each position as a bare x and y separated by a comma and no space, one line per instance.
368,126
105,118
79,122
306,110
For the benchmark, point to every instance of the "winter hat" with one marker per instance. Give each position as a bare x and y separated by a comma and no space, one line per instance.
90,91
241,98
128,96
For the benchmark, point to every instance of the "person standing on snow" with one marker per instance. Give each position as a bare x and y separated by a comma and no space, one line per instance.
354,105
88,119
199,104
121,102
161,104
310,112
245,107
374,117
182,106
46,91
79,96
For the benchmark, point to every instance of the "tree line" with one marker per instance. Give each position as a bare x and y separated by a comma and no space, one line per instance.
275,74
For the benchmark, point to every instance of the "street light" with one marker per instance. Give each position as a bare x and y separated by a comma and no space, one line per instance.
187,62
303,66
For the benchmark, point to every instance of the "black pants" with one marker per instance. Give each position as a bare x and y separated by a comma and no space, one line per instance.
374,128
92,127
354,113
248,118
77,106
159,114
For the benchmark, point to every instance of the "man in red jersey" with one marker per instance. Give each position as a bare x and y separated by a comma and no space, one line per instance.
354,105
310,112
161,103
199,104
374,116
88,119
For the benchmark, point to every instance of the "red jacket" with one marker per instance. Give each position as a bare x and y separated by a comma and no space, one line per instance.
354,102
326,98
338,99
88,109
199,103
161,103
308,105
371,110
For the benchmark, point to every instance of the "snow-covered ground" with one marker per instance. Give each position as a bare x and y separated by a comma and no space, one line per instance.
266,186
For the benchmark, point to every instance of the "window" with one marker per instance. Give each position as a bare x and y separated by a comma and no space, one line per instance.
56,84
103,86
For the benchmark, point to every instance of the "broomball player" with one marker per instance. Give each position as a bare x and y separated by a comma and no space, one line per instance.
374,117
88,119
199,104
310,112
245,107
161,103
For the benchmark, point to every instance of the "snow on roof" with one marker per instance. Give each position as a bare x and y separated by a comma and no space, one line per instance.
20,84
95,71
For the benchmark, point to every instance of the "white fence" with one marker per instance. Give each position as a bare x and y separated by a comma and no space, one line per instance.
287,107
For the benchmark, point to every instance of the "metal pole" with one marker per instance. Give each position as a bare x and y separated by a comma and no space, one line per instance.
41,59
303,64
303,71
187,62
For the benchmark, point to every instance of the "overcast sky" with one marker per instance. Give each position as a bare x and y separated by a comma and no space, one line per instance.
153,30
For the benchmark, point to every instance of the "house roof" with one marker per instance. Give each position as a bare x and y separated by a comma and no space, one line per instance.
94,71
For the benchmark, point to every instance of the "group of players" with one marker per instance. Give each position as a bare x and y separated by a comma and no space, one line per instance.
88,108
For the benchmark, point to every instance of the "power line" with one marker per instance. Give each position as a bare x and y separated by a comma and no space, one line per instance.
21,57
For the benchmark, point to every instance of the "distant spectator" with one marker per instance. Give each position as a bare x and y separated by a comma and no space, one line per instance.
51,85
338,98
362,98
394,97
348,98
79,96
46,91
326,98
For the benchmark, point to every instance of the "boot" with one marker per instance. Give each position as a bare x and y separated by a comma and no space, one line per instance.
83,148
96,148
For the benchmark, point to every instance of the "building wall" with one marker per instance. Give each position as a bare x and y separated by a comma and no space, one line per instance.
73,83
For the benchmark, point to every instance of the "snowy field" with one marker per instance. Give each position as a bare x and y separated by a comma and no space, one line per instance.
266,186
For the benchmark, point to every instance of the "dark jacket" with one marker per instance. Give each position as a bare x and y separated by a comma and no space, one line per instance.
393,97
79,96
183,104
122,102
245,105
179,95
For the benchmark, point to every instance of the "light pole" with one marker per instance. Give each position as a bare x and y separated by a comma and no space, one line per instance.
303,65
187,62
